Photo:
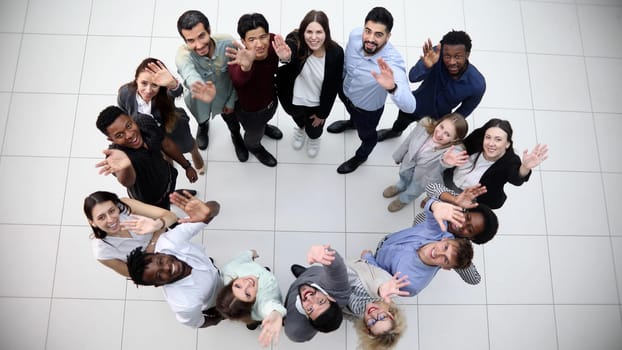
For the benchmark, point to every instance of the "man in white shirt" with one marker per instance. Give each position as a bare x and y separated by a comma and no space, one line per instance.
189,279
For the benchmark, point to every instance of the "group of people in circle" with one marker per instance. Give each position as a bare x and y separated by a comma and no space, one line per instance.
463,173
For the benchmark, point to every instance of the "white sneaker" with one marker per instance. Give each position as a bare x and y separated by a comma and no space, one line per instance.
313,147
299,138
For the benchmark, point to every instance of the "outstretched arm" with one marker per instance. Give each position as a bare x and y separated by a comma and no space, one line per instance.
447,212
533,159
241,56
205,92
281,48
161,75
321,254
270,329
393,287
118,164
197,210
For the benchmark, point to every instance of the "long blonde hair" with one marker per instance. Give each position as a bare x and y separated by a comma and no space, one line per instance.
461,125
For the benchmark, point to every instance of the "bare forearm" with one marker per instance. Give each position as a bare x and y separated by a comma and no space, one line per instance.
126,177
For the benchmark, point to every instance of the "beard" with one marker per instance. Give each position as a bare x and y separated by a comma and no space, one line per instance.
373,50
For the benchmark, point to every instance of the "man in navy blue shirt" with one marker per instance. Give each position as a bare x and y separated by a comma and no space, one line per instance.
446,83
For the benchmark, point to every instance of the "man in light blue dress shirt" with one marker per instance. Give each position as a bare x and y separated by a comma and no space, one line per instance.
365,93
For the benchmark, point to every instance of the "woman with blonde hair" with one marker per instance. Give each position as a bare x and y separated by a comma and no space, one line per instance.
424,154
382,326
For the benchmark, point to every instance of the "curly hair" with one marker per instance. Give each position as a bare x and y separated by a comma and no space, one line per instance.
457,37
491,224
107,117
384,341
137,261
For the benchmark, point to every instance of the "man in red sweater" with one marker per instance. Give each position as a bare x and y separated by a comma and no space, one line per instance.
252,68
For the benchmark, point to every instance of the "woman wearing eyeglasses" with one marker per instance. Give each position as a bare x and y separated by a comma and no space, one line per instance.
378,321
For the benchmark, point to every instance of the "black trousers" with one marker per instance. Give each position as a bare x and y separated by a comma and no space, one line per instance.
302,118
254,123
365,123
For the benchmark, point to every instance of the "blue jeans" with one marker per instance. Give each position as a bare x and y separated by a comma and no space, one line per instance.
409,189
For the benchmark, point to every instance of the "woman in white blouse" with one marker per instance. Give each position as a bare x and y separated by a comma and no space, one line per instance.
120,225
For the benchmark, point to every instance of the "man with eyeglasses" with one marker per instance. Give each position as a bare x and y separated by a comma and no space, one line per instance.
314,300
422,250
445,83
370,305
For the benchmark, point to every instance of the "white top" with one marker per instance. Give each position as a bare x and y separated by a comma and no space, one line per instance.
143,107
118,247
465,177
196,292
308,84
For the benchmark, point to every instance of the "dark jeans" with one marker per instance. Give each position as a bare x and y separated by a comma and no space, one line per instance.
232,122
403,120
365,123
301,116
254,123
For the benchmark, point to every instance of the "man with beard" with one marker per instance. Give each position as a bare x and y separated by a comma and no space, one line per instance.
365,93
202,64
315,298
446,84
188,277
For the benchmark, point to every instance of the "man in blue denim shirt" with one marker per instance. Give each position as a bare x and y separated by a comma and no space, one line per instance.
446,83
203,66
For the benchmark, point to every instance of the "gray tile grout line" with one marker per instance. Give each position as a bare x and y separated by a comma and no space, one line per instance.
545,218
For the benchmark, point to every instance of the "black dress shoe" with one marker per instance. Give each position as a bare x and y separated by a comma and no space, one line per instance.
340,126
273,132
297,270
181,191
253,326
350,165
263,156
385,134
202,136
240,149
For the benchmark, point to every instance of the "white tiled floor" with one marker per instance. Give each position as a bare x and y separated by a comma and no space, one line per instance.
552,279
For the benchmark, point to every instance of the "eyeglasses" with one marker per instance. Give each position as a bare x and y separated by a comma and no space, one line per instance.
380,317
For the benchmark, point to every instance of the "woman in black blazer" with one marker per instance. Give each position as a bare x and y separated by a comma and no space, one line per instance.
493,163
308,84
153,92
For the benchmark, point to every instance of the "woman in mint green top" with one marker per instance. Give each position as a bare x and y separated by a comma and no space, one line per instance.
252,294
